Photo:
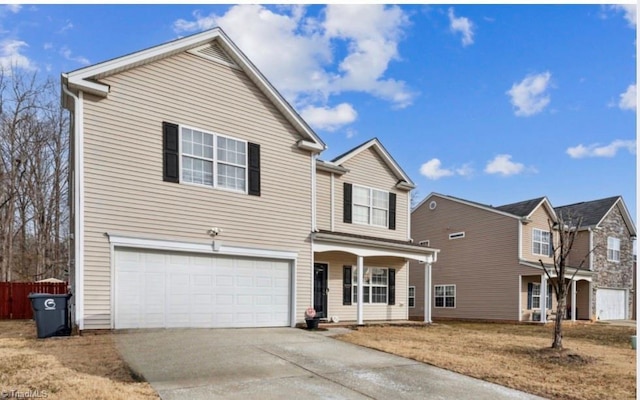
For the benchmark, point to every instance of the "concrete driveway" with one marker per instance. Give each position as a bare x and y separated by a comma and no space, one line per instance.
283,363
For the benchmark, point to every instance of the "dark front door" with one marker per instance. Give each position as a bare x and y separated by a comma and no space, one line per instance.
320,289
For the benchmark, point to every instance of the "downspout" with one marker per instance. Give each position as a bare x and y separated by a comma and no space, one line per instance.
78,234
314,228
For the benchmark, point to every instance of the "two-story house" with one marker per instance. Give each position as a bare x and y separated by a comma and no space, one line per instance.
198,200
489,264
606,239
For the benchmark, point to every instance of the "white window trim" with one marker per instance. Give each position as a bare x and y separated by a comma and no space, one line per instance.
456,235
370,206
409,297
533,242
444,297
614,249
549,296
214,160
354,285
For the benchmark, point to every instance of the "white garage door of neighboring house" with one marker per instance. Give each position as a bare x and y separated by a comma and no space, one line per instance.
156,289
611,303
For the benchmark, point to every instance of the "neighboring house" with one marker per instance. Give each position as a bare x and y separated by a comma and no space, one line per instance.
488,267
195,203
608,229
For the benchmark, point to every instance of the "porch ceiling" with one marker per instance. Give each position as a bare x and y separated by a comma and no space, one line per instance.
580,274
371,247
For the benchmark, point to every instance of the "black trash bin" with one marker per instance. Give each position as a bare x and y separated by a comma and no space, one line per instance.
51,312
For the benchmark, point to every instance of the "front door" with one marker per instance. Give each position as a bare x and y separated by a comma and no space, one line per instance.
320,289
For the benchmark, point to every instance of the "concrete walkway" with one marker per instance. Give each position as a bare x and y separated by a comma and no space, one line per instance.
283,363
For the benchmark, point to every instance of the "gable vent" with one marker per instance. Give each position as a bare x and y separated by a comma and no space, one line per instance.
212,51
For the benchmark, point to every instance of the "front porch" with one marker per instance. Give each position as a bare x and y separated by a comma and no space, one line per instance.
539,304
352,267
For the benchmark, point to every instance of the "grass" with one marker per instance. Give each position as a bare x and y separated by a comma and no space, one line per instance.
73,367
597,362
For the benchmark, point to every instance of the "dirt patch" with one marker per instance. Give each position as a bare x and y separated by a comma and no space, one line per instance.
597,362
72,367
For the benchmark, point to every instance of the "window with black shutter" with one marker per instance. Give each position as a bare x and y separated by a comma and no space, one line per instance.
346,285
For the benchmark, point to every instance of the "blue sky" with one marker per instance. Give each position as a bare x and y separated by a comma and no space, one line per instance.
492,103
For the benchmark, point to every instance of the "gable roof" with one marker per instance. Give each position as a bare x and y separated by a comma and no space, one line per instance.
475,204
525,208
403,179
86,79
594,212
521,210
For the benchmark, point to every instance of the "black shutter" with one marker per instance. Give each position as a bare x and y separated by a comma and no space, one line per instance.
170,162
347,203
529,291
549,296
392,211
392,287
346,285
254,169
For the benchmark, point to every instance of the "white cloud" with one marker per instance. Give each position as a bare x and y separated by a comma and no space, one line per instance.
14,8
462,25
329,119
297,53
67,54
529,97
503,165
628,99
432,170
596,150
11,57
630,12
65,28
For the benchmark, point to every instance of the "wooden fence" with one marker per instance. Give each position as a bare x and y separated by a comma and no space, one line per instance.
14,297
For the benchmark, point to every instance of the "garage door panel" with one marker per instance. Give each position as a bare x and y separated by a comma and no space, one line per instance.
161,289
611,303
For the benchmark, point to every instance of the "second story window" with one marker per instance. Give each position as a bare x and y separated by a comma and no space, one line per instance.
541,242
613,249
370,206
213,160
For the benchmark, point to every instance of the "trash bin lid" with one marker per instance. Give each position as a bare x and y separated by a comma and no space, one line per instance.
49,295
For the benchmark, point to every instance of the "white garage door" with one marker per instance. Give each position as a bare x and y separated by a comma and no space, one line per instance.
155,289
610,303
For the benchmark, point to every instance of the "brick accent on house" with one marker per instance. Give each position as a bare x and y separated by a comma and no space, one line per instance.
609,274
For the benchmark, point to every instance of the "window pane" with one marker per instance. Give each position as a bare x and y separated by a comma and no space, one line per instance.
231,177
535,290
439,290
380,199
439,302
379,294
412,291
450,290
450,302
535,301
360,196
379,276
379,217
360,214
231,151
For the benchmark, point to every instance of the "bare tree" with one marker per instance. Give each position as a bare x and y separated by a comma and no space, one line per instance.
563,235
33,178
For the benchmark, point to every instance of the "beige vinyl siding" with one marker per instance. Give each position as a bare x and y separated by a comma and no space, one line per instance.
323,200
124,191
580,250
539,220
368,169
372,312
483,265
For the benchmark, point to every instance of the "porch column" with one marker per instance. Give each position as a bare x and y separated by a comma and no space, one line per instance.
573,300
543,298
360,289
427,293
